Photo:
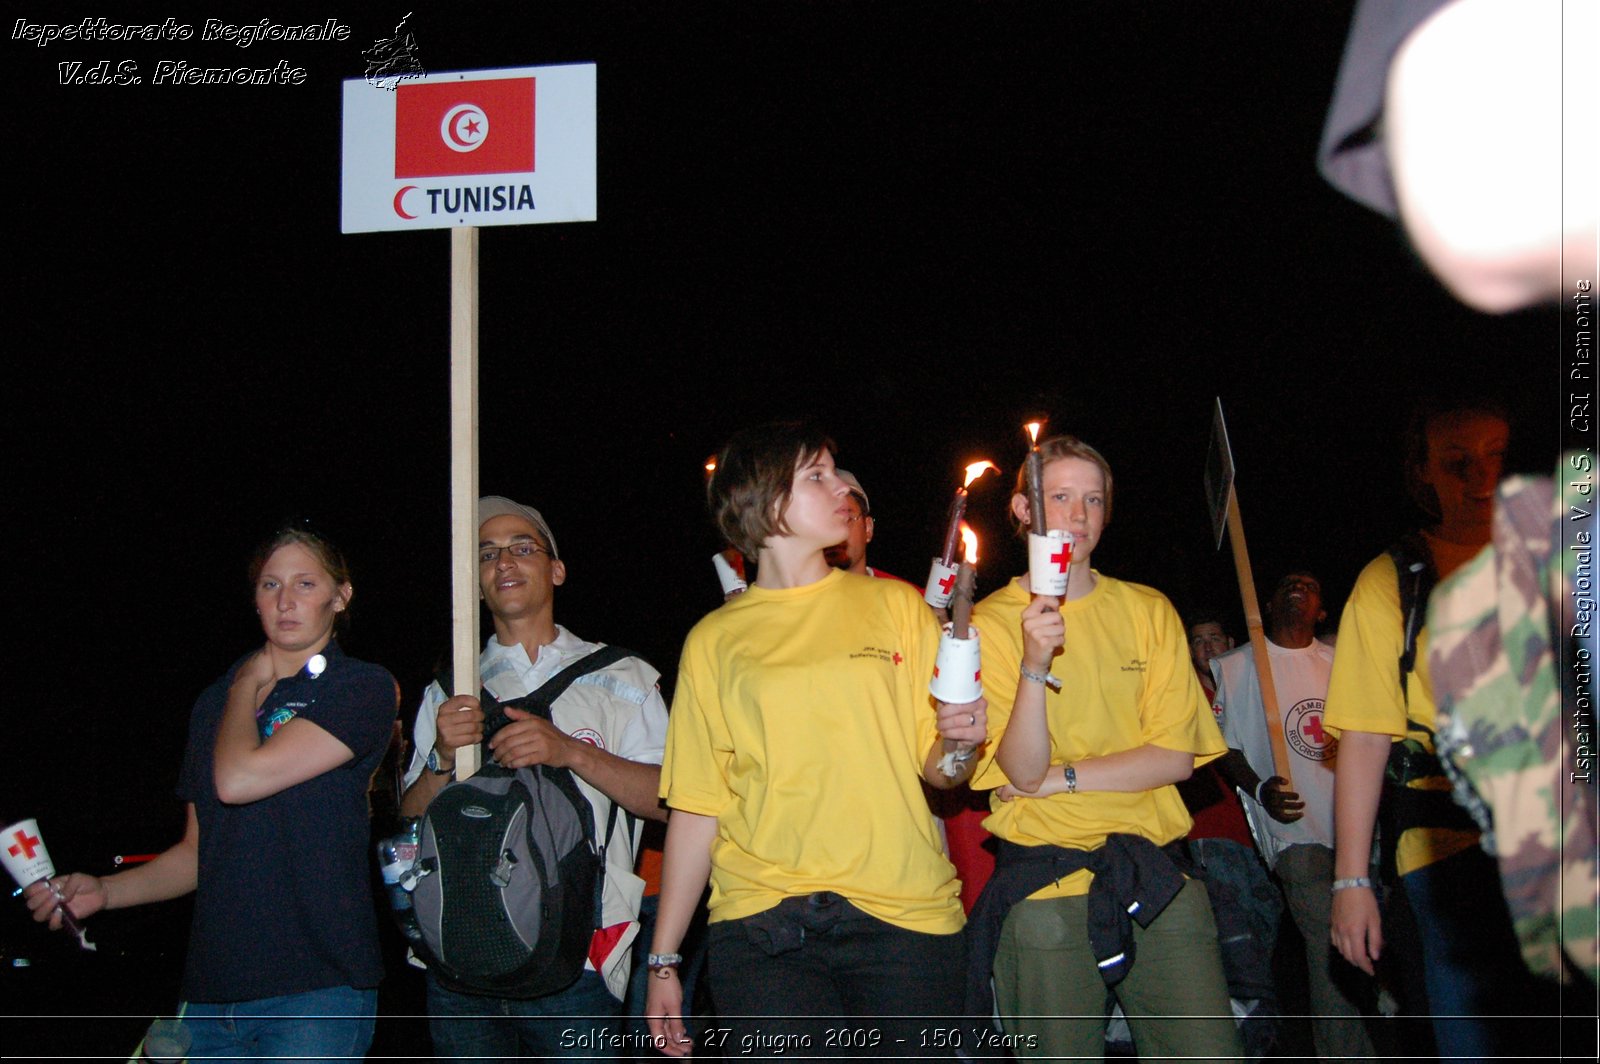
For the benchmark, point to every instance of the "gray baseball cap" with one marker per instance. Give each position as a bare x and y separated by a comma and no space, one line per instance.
498,505
855,486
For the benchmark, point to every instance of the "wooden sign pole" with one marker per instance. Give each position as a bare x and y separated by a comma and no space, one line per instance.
1258,639
464,473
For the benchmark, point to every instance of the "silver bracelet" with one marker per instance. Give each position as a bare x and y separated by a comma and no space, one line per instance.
1039,677
1070,774
1354,881
662,963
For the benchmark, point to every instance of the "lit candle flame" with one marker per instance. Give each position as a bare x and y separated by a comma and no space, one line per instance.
711,465
1033,428
969,543
976,470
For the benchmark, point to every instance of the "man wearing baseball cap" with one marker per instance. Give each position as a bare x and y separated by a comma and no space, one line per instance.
851,555
609,730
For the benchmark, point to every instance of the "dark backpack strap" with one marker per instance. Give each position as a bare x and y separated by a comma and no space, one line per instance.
544,698
605,843
1412,760
540,701
1413,563
494,714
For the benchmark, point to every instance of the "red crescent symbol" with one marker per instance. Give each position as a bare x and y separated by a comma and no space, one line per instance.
398,196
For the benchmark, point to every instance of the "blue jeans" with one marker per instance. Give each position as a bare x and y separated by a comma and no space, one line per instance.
583,1020
334,1023
1478,986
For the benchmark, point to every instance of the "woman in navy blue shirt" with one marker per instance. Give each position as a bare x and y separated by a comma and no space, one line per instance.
283,953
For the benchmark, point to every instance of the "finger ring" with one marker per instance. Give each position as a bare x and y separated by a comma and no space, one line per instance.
972,720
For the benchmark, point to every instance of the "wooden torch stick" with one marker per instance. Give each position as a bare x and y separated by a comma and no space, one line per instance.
961,603
1258,640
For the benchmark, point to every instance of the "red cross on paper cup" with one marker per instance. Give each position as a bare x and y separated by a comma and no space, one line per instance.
24,854
940,586
24,846
1049,558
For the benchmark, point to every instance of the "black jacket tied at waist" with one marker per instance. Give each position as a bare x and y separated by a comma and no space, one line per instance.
1134,879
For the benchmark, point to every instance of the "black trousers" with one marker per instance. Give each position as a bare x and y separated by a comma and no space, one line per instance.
817,976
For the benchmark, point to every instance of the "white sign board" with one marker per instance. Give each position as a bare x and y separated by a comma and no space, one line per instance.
483,147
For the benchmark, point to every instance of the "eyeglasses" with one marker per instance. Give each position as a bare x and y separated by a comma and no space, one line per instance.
521,549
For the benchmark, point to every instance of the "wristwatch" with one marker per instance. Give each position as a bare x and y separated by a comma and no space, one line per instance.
437,769
1070,774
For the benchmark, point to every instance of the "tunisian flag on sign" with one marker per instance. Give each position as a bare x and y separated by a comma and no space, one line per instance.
467,127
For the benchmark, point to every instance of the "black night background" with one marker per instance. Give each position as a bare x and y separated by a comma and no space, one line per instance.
920,223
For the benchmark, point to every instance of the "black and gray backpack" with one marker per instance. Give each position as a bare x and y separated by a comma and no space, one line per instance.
509,874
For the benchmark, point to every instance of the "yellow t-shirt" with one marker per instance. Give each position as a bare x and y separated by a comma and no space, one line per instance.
801,721
1364,693
1125,681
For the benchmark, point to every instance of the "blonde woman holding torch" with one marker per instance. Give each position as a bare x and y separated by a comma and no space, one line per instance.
800,736
1096,714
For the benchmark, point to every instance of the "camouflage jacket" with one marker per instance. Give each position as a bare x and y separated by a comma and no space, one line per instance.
1502,660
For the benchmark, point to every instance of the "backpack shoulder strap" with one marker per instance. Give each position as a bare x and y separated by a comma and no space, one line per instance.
541,703
444,674
542,699
1413,563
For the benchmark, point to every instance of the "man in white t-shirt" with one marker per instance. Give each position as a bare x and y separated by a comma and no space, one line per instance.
609,728
1293,829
